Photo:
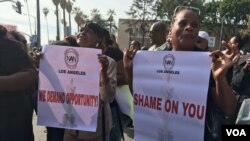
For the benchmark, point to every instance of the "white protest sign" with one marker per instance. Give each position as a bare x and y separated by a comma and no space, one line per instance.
170,93
69,88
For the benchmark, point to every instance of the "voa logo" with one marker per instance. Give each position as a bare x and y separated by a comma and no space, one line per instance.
236,132
71,58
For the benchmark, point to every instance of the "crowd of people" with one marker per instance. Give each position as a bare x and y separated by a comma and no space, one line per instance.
19,66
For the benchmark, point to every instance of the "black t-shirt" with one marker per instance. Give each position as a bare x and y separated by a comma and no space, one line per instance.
15,106
214,116
114,53
117,55
241,79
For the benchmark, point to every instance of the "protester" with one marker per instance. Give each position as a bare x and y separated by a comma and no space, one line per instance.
135,45
237,42
241,73
17,36
221,100
157,35
203,40
120,120
241,79
17,74
3,32
91,36
114,44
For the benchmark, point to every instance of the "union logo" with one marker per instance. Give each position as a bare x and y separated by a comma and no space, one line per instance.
168,61
71,58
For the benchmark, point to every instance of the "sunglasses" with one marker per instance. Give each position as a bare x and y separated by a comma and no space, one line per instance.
179,8
195,9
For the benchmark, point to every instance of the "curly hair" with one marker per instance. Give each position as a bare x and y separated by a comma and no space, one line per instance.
3,31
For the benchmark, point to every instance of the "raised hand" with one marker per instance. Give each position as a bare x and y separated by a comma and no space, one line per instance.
128,66
222,62
231,50
128,59
103,61
247,65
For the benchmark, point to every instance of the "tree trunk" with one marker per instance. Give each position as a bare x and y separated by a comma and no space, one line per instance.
143,22
38,24
69,24
57,25
64,23
110,26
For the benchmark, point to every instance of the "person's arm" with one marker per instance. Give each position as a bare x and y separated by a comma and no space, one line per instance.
222,93
18,81
128,66
108,79
223,96
121,75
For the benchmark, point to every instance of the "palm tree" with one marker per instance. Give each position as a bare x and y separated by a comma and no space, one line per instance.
69,9
56,3
45,12
96,17
77,11
80,17
63,4
110,20
63,22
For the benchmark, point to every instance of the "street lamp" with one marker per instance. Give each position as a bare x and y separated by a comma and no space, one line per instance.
34,17
17,7
45,12
221,29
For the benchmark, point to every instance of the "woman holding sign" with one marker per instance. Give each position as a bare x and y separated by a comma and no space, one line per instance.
91,36
221,101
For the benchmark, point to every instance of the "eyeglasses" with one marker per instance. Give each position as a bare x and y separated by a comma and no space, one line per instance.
195,9
178,8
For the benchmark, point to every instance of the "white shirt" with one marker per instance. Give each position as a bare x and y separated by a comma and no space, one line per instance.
160,48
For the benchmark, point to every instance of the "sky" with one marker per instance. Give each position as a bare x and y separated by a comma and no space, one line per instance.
9,16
